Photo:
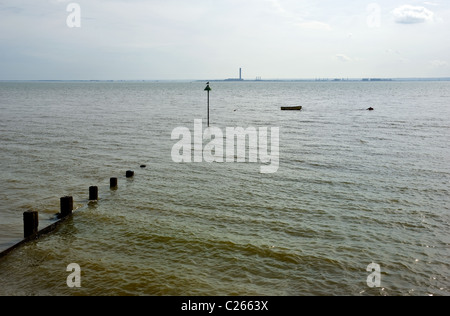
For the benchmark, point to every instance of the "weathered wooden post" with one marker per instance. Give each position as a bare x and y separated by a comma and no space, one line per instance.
113,183
66,206
30,223
93,193
130,174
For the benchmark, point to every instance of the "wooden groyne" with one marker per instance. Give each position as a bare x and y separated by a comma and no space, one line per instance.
31,217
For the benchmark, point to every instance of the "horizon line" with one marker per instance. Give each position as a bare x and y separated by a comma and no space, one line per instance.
318,79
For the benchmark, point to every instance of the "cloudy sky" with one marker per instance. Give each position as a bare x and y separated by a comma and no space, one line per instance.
211,39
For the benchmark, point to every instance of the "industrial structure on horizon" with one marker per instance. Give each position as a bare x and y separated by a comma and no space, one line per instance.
236,79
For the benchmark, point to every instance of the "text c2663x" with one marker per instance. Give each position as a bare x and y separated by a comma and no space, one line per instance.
229,306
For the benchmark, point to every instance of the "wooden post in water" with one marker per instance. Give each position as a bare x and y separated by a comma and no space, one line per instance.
93,193
113,183
66,206
130,174
30,223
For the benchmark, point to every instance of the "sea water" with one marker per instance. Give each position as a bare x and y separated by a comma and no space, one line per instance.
353,188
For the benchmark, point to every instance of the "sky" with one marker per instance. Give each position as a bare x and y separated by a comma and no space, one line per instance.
212,39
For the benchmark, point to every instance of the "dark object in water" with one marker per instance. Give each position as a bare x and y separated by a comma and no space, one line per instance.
370,109
291,108
66,204
93,193
30,223
130,174
143,166
113,183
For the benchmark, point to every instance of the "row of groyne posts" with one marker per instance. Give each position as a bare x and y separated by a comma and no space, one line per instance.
31,217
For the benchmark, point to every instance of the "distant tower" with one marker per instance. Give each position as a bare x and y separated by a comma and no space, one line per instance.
240,73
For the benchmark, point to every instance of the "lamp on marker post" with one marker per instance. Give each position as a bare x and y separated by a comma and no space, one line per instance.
208,88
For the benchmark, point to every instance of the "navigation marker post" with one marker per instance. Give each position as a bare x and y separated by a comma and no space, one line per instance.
208,88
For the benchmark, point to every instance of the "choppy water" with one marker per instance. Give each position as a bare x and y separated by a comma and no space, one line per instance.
353,187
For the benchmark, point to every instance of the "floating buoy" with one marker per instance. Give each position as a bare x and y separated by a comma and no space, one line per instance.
130,174
143,166
370,109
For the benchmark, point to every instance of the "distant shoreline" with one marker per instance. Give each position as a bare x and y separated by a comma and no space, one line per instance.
334,80
243,80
